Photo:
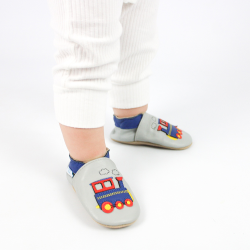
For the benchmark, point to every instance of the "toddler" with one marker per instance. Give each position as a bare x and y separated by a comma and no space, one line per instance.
104,49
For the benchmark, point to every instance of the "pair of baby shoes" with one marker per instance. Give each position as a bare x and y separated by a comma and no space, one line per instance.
101,187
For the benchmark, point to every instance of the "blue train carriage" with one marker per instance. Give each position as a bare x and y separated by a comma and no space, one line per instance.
108,197
173,132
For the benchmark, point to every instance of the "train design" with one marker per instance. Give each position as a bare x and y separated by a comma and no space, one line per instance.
172,132
108,197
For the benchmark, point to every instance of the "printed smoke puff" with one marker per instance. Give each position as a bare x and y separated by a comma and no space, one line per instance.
115,172
104,171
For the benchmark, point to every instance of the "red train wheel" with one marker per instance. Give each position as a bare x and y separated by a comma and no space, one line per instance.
128,203
119,205
179,136
107,207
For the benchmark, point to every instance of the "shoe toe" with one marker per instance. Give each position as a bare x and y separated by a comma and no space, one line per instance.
119,217
186,140
105,194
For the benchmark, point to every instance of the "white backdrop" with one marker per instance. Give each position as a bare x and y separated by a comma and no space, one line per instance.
193,199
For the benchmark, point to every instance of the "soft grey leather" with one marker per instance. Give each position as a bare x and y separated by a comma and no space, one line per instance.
94,171
126,135
147,132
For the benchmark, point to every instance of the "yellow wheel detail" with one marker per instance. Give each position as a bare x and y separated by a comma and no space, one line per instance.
107,207
119,205
128,203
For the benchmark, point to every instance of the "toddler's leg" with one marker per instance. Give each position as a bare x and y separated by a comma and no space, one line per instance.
88,43
87,38
130,83
84,144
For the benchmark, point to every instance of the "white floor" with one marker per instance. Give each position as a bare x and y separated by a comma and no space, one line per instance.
193,199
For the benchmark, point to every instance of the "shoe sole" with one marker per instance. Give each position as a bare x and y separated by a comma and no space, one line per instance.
142,143
112,227
115,227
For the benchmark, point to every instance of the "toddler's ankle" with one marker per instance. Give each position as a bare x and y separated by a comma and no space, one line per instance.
126,113
89,154
75,165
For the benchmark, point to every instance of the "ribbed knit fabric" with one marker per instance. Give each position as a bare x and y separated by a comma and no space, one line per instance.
102,46
130,83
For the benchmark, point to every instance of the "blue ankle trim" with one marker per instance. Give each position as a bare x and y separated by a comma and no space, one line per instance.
128,123
74,165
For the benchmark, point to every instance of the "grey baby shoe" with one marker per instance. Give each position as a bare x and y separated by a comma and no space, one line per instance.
103,192
146,129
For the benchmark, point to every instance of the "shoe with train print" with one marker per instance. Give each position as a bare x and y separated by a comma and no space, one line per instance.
104,192
148,130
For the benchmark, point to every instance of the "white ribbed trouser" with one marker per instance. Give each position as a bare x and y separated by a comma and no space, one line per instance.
102,46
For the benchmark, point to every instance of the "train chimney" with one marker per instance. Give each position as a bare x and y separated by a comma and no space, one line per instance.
119,179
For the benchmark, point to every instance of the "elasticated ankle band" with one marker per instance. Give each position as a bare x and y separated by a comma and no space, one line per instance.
74,165
128,123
